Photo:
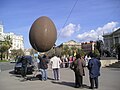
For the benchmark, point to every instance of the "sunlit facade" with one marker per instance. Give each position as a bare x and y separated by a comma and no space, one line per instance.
17,40
1,33
72,43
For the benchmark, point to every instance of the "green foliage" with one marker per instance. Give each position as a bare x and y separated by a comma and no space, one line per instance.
71,50
5,45
3,48
15,53
65,50
98,46
96,52
82,53
4,61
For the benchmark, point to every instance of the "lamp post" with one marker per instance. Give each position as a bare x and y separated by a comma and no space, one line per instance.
54,47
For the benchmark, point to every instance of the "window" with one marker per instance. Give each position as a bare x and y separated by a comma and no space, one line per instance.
116,40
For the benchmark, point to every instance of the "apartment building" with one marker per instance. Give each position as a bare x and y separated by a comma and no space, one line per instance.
71,43
17,40
88,46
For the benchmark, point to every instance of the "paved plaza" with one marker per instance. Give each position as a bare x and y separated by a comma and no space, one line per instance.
109,80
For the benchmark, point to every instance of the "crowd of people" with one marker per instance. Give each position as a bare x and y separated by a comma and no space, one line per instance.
77,64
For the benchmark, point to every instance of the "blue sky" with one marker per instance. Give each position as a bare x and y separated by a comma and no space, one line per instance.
88,21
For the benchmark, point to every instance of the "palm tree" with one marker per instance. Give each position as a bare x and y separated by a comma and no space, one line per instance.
5,45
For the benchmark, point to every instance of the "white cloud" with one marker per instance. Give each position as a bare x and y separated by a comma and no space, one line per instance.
106,28
95,34
69,30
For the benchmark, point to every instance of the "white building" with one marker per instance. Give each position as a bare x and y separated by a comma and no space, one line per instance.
72,43
1,29
1,33
17,40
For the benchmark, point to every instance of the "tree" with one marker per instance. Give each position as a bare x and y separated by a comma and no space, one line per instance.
18,52
5,45
97,53
82,53
3,48
98,46
65,50
73,50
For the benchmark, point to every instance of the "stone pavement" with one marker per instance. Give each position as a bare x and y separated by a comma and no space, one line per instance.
109,80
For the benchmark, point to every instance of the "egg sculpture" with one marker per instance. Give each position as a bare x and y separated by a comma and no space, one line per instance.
43,34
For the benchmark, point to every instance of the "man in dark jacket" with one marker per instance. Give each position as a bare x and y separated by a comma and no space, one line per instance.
78,67
43,66
94,70
24,62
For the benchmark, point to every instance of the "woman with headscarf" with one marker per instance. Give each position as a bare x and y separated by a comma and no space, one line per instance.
78,67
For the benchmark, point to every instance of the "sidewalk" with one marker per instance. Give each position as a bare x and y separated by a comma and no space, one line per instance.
109,80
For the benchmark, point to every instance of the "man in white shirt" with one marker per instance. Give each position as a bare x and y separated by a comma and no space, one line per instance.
55,62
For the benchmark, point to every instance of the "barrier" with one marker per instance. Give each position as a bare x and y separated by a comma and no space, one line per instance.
105,63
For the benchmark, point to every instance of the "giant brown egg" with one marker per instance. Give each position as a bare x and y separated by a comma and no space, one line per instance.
43,34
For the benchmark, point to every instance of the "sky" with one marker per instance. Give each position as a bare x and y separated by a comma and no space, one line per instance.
79,20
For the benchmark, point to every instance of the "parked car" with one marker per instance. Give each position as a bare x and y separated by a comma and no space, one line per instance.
18,64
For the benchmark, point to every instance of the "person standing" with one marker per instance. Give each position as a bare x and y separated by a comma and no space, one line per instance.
24,62
55,62
87,58
43,66
94,70
78,67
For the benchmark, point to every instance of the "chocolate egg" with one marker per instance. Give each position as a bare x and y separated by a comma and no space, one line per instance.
43,34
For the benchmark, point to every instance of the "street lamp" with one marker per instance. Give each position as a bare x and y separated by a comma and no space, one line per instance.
54,47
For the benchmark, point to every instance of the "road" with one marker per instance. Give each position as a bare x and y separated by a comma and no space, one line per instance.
6,66
109,80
